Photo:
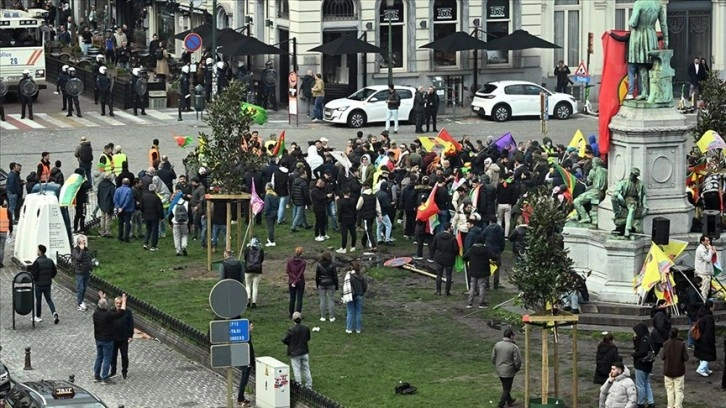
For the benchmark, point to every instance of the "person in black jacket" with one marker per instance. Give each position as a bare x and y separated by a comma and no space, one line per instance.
518,238
493,236
300,195
384,226
246,371
419,105
368,209
103,332
326,281
445,248
487,203
408,204
347,216
82,264
43,270
661,325
431,107
705,350
254,258
694,302
79,220
320,198
123,334
478,259
152,211
607,354
643,367
297,339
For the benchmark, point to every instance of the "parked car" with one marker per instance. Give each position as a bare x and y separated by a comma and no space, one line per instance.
368,105
4,380
502,100
51,393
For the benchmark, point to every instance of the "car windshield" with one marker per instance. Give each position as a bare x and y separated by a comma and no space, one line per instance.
488,88
362,94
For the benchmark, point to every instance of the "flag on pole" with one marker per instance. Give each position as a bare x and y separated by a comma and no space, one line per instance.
258,113
446,137
459,264
578,143
343,159
710,140
611,83
567,178
183,141
506,141
428,208
256,202
717,269
279,146
656,264
69,190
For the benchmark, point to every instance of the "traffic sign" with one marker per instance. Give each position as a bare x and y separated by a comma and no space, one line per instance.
230,355
193,42
581,74
229,331
228,298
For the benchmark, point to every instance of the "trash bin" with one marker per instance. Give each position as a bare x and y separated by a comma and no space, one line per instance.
199,98
23,293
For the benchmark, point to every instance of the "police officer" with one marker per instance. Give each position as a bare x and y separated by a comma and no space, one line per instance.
184,88
62,81
72,100
136,99
269,76
208,74
104,89
2,106
96,68
222,78
27,101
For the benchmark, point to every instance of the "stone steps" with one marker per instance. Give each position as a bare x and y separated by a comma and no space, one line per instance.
602,314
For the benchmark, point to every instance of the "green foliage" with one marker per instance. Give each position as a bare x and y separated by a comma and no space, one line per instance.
222,152
543,274
713,115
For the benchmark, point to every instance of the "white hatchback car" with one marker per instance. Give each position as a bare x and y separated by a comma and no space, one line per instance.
368,105
501,100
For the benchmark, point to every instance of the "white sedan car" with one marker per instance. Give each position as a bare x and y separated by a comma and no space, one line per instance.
503,100
368,105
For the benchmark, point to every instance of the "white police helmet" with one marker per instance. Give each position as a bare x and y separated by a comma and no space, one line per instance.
220,65
99,58
64,68
102,70
209,61
26,72
71,70
136,71
185,69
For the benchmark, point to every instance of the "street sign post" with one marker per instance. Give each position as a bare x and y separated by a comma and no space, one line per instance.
230,355
581,74
228,298
192,42
292,98
229,331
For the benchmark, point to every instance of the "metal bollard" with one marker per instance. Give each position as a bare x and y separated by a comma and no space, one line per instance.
72,378
180,107
28,366
120,406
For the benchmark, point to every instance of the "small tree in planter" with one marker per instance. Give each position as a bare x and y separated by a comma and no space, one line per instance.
542,276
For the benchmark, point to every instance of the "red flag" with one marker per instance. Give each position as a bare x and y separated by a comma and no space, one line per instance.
446,137
428,208
280,145
614,70
460,241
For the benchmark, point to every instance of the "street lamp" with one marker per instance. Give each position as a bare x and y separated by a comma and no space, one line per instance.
389,12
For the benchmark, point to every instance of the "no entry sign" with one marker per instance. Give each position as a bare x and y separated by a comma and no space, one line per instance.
192,42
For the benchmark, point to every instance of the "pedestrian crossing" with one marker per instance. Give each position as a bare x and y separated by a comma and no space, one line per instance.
90,119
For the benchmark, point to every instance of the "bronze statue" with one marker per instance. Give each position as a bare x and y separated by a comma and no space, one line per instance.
629,204
597,180
643,39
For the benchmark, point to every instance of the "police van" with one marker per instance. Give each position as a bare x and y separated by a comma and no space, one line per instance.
21,47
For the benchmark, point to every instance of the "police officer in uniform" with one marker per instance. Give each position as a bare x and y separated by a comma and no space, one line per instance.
62,81
27,101
208,75
104,89
222,78
2,104
96,68
136,99
269,76
72,100
184,89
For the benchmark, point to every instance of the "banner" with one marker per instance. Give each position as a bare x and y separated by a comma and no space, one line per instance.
614,70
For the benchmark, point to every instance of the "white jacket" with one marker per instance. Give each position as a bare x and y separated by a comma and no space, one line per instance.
703,265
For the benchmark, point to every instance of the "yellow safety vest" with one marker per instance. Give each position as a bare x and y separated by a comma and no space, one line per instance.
551,154
118,160
105,167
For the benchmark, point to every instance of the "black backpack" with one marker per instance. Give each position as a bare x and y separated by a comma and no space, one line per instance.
86,153
181,215
159,54
254,259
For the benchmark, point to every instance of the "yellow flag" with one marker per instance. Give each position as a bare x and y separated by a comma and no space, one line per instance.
578,142
674,248
710,140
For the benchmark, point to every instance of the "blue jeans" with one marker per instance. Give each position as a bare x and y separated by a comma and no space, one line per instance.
124,225
301,369
246,370
632,72
216,230
573,299
392,114
384,223
318,108
104,351
12,203
298,216
332,214
40,291
281,208
444,217
87,171
203,232
691,342
81,286
642,387
355,309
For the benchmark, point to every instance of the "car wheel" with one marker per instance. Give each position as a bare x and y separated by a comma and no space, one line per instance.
357,119
501,113
563,111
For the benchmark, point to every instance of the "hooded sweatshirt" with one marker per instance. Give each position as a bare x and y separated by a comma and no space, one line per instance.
642,346
607,353
295,270
445,248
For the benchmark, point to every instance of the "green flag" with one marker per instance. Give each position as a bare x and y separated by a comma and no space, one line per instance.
259,114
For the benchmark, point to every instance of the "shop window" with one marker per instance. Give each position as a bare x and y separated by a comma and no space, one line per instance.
395,17
283,9
499,22
567,31
339,10
446,22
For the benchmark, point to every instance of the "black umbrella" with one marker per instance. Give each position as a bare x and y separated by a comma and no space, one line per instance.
248,46
458,41
227,36
519,40
203,30
347,45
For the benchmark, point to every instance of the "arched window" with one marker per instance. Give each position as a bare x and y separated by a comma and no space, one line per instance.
283,9
446,22
393,19
222,18
339,10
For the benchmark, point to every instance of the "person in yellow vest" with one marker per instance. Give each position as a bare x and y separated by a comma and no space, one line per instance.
105,161
154,154
550,150
118,158
44,168
6,228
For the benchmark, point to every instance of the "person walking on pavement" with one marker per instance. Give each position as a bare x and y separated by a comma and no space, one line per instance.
6,228
137,101
318,92
123,335
296,280
72,99
254,257
103,332
25,100
431,108
84,154
82,264
96,70
393,102
674,358
618,391
507,362
419,106
445,248
44,271
104,84
297,339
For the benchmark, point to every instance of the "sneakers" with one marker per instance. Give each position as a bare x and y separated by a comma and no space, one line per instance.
82,307
326,237
270,244
629,96
352,249
320,239
178,253
332,319
469,306
417,258
153,249
349,331
107,381
97,379
112,374
37,319
56,319
341,250
430,260
146,246
322,319
483,306
701,373
357,331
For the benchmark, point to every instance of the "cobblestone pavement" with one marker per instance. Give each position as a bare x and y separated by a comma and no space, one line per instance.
159,377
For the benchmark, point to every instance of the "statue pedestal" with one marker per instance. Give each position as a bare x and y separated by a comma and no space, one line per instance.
653,139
